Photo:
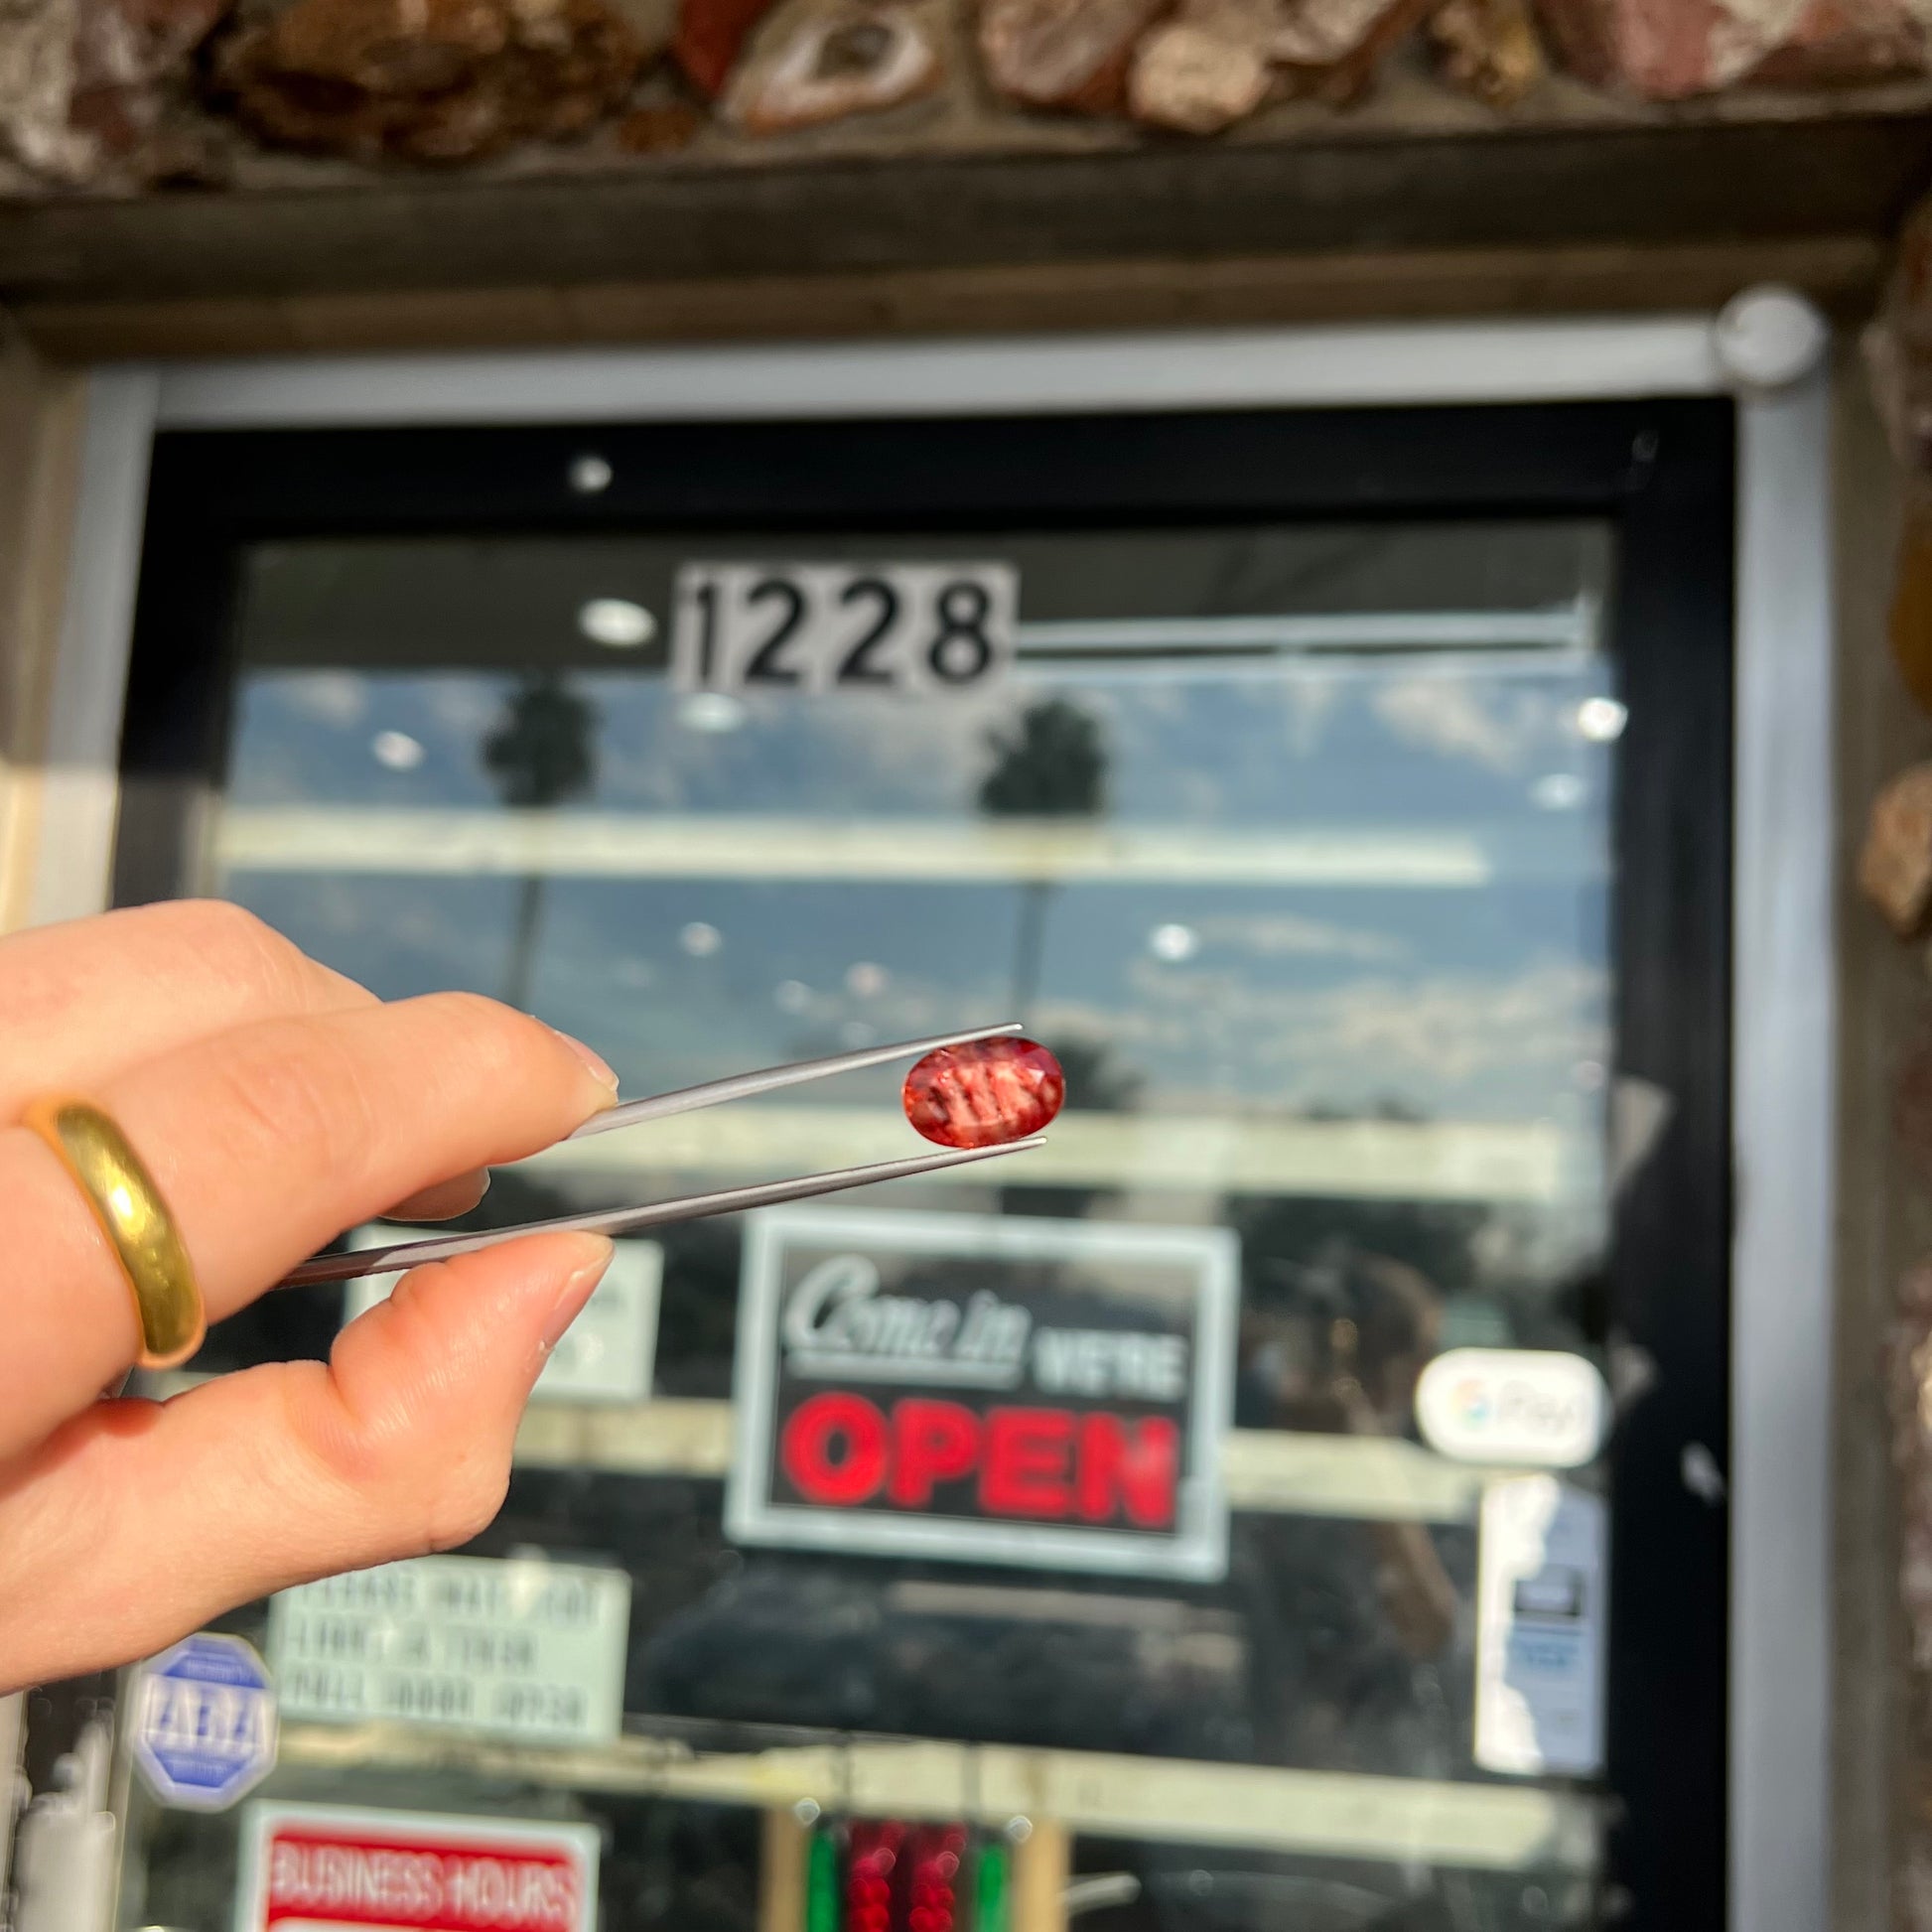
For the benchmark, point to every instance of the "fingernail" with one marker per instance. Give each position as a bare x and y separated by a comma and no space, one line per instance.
578,1289
595,1062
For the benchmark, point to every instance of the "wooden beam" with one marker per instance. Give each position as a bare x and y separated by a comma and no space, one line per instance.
1839,273
1598,179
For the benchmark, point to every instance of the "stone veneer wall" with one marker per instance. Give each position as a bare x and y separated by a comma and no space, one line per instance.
114,97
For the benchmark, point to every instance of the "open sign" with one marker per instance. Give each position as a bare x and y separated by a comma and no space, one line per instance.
843,1450
1045,1393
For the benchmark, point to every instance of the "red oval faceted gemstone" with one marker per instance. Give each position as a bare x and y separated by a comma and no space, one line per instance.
984,1092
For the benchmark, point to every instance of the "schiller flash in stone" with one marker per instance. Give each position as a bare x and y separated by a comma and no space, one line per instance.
985,1092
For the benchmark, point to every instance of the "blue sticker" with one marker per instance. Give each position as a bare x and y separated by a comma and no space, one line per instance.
204,1731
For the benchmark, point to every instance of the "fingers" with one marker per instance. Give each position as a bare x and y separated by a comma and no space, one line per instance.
86,999
399,1445
266,1142
442,1202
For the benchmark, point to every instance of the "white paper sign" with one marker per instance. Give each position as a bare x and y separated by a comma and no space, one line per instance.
516,1647
605,1355
1539,1606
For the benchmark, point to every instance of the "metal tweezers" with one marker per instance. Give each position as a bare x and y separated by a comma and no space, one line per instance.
692,1207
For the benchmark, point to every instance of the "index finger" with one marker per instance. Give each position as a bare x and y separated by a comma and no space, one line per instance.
266,1142
89,997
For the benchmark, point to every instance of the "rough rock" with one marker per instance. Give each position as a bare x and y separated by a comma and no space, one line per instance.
821,60
83,81
1334,48
1265,26
129,62
36,62
1195,81
389,46
439,81
1320,33
1488,48
1896,867
1072,55
1668,49
710,36
1843,43
1659,48
135,43
1331,48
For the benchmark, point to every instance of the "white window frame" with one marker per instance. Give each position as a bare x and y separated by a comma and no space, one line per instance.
1784,1014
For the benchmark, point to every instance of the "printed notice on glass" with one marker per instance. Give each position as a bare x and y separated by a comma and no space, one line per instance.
307,1868
516,1647
1540,1598
927,629
604,1356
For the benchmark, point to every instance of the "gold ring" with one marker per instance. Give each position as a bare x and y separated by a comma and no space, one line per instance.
136,1222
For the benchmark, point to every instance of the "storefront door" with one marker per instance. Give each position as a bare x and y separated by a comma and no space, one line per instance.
1263,1506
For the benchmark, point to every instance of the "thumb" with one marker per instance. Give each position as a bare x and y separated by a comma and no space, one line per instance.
399,1445
420,1405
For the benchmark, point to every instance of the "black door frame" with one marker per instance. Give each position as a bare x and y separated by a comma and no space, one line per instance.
1662,472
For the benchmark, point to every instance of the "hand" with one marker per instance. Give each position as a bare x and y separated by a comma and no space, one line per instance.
275,1104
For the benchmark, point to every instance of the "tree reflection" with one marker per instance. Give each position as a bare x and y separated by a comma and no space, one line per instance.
541,753
1053,767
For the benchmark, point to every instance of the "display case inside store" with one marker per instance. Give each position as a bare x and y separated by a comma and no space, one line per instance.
1202,1521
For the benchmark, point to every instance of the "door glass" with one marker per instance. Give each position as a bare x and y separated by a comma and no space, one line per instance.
1294,845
